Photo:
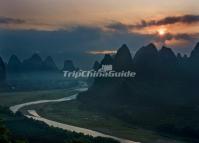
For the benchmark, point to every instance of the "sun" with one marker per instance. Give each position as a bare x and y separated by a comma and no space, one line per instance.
162,31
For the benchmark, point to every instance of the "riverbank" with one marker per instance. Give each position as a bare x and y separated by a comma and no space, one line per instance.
33,114
20,129
69,113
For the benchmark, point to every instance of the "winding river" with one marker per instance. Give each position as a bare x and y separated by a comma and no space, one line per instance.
34,115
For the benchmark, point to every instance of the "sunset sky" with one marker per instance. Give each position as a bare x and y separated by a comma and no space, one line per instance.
84,27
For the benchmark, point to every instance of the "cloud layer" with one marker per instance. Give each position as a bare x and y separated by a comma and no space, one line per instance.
184,19
182,36
102,52
74,43
116,26
8,20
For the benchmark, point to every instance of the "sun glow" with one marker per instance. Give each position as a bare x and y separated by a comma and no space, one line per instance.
162,31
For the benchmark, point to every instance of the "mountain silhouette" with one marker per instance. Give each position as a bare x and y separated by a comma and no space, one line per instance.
179,57
34,63
49,64
107,60
155,70
123,59
193,63
167,63
167,55
195,53
146,59
96,66
162,97
68,66
2,72
14,64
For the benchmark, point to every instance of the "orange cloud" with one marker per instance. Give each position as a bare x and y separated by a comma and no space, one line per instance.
102,52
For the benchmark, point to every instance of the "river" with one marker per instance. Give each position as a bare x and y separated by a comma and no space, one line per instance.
34,115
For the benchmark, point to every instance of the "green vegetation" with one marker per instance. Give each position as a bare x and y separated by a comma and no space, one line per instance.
168,108
71,113
22,129
12,98
6,137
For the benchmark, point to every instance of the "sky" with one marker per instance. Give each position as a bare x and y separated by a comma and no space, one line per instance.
87,29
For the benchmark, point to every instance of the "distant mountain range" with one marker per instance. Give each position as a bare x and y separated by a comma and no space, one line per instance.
151,63
69,66
34,73
15,71
148,63
163,96
32,64
35,64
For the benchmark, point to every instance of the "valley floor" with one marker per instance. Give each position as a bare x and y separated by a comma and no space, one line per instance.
70,113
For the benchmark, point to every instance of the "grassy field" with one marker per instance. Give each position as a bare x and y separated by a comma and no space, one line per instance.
70,113
12,98
15,128
28,129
